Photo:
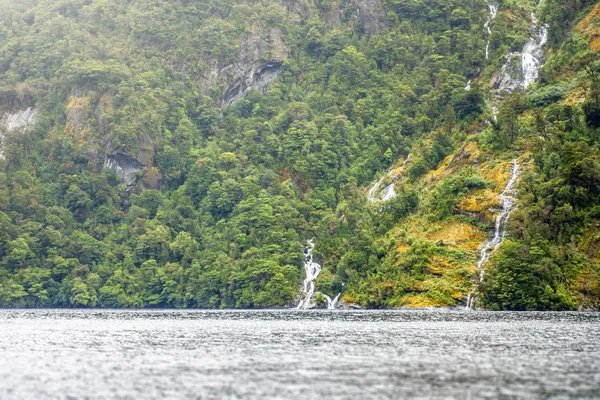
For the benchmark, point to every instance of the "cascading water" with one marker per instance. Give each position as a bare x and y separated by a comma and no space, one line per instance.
531,57
507,202
510,78
389,192
312,270
332,303
371,194
493,7
493,11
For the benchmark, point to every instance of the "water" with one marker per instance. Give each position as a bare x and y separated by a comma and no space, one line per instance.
510,79
332,303
493,11
371,194
531,57
507,202
54,354
388,193
312,270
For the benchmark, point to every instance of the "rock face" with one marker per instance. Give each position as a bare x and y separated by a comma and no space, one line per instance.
371,14
510,77
18,122
522,69
301,9
87,113
124,166
258,64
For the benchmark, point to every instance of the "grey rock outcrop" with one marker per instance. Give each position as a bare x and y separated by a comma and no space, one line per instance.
258,64
18,122
124,166
301,9
510,78
87,122
371,14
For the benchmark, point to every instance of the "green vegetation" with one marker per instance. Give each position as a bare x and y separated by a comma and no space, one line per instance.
227,196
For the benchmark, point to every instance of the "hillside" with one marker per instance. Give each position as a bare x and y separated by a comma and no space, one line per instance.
184,153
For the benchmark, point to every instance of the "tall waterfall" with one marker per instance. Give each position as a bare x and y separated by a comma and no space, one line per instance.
531,57
507,202
510,78
312,270
493,11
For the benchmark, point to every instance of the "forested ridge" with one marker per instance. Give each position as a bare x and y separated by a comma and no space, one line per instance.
181,153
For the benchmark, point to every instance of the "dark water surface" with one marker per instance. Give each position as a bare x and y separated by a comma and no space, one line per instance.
63,354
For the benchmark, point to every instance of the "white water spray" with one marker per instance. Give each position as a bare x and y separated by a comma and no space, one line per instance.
507,202
510,79
312,270
389,192
332,303
493,7
531,57
371,194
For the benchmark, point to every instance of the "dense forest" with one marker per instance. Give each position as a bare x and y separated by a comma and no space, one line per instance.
181,153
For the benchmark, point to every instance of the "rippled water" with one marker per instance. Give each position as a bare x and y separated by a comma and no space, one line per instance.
291,354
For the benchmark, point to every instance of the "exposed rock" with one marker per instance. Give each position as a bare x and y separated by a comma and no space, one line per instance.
510,77
152,179
124,166
258,64
88,113
371,14
18,122
77,114
299,8
145,150
460,234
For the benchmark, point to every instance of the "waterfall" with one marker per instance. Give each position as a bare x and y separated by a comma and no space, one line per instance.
507,202
389,192
312,270
371,194
493,7
332,303
510,79
531,57
493,11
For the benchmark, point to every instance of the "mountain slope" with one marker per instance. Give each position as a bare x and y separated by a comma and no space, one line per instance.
181,154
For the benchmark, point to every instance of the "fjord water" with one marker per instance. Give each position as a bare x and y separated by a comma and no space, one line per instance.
56,354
